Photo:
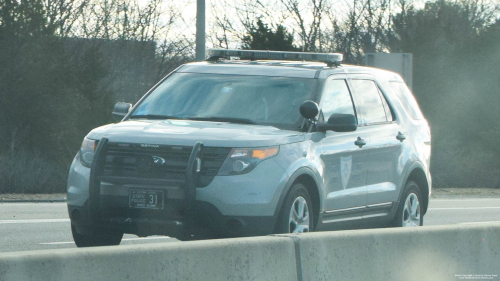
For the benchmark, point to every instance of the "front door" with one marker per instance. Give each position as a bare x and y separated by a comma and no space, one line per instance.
344,158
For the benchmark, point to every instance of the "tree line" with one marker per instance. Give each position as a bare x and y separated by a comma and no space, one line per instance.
64,63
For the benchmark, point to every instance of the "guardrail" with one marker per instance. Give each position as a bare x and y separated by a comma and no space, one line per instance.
456,252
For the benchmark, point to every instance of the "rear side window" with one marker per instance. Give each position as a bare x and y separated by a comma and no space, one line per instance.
369,103
407,99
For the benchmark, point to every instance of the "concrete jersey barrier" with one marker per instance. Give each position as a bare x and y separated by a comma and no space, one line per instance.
257,258
459,252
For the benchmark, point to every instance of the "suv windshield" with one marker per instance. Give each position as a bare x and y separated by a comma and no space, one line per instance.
243,99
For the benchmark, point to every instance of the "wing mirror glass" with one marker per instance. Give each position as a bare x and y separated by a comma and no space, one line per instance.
340,123
120,110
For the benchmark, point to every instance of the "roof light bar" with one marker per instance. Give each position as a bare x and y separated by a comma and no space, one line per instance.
329,58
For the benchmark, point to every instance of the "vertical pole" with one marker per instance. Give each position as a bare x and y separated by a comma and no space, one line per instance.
200,30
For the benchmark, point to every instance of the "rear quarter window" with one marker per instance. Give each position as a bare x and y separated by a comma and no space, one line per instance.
407,100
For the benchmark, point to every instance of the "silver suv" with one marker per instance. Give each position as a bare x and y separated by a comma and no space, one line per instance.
271,142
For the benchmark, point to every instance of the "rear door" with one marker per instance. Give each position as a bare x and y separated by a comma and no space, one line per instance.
384,138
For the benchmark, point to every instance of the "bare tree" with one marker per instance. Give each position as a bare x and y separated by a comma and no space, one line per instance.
62,14
309,33
123,19
222,27
363,29
232,20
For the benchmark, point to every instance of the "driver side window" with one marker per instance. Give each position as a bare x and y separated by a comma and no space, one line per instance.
336,99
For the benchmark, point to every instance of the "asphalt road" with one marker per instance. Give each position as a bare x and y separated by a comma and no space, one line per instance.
42,226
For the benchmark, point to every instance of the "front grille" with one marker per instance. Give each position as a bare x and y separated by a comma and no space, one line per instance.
125,162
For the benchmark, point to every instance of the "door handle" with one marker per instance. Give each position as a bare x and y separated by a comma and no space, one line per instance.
400,137
360,142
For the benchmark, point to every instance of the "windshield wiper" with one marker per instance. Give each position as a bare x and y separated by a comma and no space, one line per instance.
216,119
154,116
223,119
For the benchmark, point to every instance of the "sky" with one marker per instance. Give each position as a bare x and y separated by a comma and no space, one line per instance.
187,26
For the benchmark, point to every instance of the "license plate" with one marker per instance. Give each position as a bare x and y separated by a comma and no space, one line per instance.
145,199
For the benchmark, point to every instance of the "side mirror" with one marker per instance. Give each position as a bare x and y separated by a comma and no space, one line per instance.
339,123
120,110
309,109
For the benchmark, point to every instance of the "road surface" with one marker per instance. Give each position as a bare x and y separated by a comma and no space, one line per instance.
39,226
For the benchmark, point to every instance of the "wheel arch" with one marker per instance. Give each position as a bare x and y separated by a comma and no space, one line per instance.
307,177
418,175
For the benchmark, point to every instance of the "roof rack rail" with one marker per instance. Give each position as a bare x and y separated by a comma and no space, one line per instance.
331,59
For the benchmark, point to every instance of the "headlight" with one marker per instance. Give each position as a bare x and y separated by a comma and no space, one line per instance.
243,160
87,152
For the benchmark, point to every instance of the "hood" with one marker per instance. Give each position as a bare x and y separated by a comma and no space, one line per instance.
187,132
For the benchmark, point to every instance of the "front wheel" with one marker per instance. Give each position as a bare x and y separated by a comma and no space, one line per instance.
409,210
96,237
296,215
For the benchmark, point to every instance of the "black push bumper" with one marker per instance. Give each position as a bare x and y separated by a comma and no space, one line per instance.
178,219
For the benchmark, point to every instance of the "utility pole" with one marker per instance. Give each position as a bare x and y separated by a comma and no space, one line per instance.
200,30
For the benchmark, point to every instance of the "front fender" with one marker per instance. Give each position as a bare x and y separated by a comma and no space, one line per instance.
309,171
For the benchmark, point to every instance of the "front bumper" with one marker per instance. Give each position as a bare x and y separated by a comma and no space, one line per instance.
204,221
228,207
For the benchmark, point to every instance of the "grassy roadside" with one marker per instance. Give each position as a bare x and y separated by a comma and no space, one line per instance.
465,192
11,197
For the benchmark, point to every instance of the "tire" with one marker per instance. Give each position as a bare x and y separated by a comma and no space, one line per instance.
409,213
96,237
296,215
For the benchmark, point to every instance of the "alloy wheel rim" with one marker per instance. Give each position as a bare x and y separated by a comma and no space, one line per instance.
411,211
299,216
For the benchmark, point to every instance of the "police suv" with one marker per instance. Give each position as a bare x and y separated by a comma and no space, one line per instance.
253,143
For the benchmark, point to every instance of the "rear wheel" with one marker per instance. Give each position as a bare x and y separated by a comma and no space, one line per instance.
297,213
409,209
96,237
